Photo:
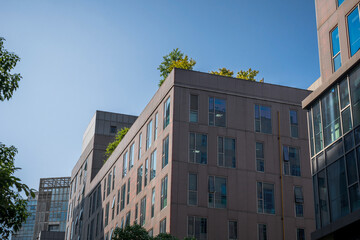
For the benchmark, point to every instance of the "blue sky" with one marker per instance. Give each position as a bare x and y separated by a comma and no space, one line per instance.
81,56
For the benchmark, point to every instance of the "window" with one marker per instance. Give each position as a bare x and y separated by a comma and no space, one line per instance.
156,123
217,112
151,232
265,198
353,28
118,203
354,80
152,202
125,158
122,223
104,188
131,156
128,192
335,44
165,152
300,234
299,202
217,192
127,221
226,152
194,108
340,2
142,211
260,165
146,172
113,129
113,180
153,165
148,135
345,106
163,226
232,230
263,119
113,208
319,143
109,184
166,113
198,148
139,178
107,214
136,212
197,227
122,203
164,187
262,232
192,188
294,128
139,153
291,161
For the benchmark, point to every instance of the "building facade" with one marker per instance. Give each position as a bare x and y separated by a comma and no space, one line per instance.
26,231
334,118
211,157
52,205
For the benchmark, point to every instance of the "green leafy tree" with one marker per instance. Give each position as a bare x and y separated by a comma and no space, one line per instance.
119,136
175,59
165,236
134,232
8,82
223,72
13,210
247,75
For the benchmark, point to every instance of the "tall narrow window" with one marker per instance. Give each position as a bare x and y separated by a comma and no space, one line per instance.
354,30
336,58
104,189
131,156
311,134
166,119
262,234
198,148
164,188
156,123
217,192
226,152
109,184
136,212
217,112
107,214
354,80
300,234
127,220
139,153
197,227
148,135
122,203
233,230
194,108
299,202
139,179
165,152
294,126
143,211
152,202
319,143
118,203
260,165
163,226
263,119
113,208
291,161
113,180
345,106
153,165
125,159
146,172
265,198
192,189
128,192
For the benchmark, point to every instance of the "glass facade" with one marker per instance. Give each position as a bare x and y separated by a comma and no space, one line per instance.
335,151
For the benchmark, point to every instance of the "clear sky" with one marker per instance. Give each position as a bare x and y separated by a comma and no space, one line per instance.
81,56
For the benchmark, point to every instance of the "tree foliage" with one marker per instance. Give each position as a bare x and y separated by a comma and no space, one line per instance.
175,59
136,232
247,75
223,72
13,210
8,82
119,136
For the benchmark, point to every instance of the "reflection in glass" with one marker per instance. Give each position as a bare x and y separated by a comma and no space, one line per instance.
354,31
355,95
317,127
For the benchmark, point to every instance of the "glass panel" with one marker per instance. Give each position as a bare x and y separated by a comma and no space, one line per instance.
338,197
211,112
351,167
269,203
334,152
311,133
193,108
294,162
257,118
232,230
331,116
354,31
230,160
346,120
349,142
357,135
323,200
265,114
355,94
316,202
317,127
321,160
262,232
335,41
220,112
337,62
354,197
300,234
344,93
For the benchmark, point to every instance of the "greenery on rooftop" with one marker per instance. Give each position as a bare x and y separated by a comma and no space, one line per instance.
111,146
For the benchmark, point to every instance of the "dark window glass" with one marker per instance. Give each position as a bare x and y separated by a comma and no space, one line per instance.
192,189
217,192
355,93
163,226
299,202
349,141
226,152
354,197
265,197
143,211
262,232
113,129
152,202
194,108
294,129
164,189
300,234
217,112
166,119
263,119
139,179
198,148
346,120
317,128
165,152
197,227
291,161
351,167
344,93
232,230
153,165
260,157
354,31
311,133
334,152
323,200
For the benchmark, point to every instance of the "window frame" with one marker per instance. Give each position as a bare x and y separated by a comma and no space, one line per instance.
214,193
263,199
197,189
332,48
271,118
197,110
165,122
259,158
164,192
196,149
299,203
214,117
165,152
224,155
